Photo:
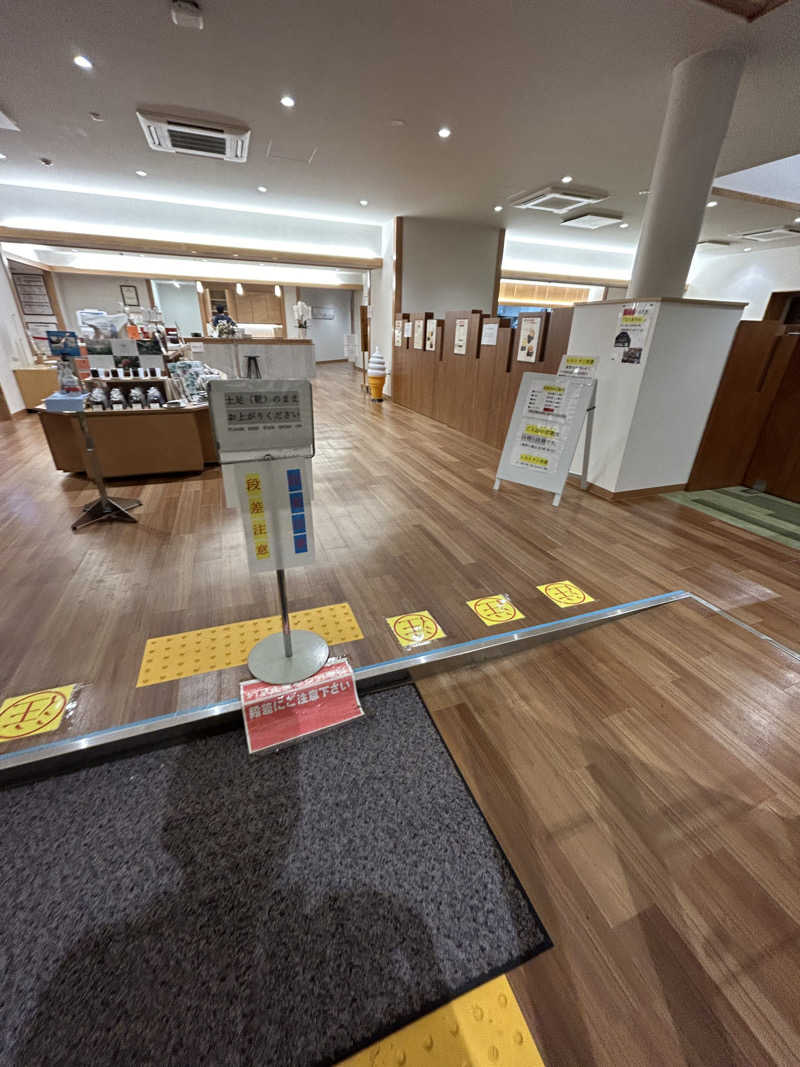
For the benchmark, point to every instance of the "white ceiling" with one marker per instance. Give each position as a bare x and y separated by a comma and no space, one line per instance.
531,90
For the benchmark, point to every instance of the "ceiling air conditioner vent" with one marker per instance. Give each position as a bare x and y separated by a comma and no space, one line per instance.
777,233
183,136
558,199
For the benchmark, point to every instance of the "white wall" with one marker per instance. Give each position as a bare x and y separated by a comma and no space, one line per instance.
747,276
328,334
382,295
79,291
15,350
448,265
180,306
568,256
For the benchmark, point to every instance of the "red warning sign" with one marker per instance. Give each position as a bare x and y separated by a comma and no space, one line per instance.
275,714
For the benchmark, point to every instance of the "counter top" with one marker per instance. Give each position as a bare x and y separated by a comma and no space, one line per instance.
249,340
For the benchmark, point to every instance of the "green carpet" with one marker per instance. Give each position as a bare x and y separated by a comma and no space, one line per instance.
760,513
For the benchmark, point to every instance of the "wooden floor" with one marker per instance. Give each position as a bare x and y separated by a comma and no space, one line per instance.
643,775
406,519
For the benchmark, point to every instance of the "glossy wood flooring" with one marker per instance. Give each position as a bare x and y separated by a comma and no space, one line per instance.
643,777
406,519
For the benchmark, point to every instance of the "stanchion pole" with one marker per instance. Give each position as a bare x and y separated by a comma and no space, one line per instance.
107,507
287,629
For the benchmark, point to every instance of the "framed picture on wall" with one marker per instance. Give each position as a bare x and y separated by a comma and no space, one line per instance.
430,335
130,296
530,333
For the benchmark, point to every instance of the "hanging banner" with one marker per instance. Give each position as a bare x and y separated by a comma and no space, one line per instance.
276,714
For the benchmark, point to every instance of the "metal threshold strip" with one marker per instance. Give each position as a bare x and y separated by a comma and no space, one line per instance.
104,742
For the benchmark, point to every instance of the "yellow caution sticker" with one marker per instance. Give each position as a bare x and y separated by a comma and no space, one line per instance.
33,713
494,610
565,594
166,659
415,628
485,1026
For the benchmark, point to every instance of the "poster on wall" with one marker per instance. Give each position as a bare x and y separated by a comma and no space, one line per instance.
577,366
419,333
529,335
634,326
430,335
398,332
32,292
489,333
407,328
460,339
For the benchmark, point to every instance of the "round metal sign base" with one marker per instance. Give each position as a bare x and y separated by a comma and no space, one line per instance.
268,661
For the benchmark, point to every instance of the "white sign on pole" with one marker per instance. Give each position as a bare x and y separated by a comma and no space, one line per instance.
275,503
544,430
262,419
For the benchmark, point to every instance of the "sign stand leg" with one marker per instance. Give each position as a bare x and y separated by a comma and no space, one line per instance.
289,656
106,507
587,445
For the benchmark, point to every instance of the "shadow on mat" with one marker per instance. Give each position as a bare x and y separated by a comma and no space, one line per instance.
233,965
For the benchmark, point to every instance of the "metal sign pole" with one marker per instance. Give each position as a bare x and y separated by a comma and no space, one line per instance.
289,656
107,507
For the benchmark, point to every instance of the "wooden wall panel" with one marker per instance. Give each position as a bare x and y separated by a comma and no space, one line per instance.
776,459
758,358
460,372
401,371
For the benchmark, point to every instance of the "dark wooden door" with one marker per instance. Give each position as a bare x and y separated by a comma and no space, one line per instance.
757,361
775,464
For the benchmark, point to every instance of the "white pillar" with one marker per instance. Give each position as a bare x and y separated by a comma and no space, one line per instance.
698,111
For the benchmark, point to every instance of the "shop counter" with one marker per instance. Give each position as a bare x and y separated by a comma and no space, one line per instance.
278,357
133,442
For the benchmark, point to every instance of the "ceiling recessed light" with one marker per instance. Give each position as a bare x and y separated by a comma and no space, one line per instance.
444,132
566,179
363,202
711,203
235,255
748,249
287,101
95,116
45,161
262,188
498,207
239,289
82,62
397,122
142,173
194,252
624,225
643,192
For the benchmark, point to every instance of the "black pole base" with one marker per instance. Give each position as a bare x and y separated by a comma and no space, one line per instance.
110,508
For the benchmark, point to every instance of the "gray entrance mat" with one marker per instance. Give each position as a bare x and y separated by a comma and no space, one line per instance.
195,905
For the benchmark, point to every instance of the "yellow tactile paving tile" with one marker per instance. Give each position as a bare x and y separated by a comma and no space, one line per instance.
483,1028
214,648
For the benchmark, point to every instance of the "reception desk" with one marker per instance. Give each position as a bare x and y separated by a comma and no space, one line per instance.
130,442
277,357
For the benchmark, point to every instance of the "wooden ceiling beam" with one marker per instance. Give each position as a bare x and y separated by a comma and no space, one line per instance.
97,242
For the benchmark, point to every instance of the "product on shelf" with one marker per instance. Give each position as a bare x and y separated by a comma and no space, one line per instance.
155,398
136,397
98,397
117,399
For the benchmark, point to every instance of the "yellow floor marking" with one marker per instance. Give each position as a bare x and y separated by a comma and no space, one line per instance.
33,713
415,628
483,1028
565,594
166,659
494,610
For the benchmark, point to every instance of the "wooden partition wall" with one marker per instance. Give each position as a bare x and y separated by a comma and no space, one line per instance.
473,392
